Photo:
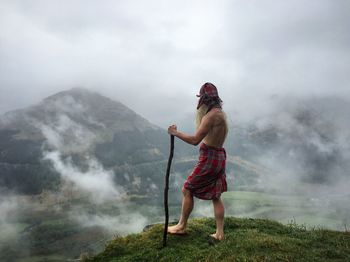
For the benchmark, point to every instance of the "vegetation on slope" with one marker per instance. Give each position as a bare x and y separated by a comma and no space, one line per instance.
246,240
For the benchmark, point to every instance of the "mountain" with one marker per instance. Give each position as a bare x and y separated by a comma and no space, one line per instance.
80,125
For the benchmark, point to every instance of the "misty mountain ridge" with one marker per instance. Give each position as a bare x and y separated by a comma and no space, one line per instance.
80,125
82,106
305,138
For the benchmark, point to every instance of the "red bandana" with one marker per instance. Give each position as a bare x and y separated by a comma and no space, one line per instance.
209,96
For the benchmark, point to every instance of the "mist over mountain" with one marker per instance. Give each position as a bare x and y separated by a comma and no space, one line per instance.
81,130
303,139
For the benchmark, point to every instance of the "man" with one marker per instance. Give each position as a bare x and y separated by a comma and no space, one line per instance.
208,178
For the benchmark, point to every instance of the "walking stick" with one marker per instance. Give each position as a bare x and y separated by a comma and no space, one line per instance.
166,189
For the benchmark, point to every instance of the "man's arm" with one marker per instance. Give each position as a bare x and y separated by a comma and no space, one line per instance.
195,139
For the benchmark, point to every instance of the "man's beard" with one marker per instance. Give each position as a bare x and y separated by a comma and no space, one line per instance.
202,111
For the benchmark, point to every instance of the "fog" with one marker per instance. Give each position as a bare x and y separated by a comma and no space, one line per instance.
126,223
97,181
161,52
307,140
65,137
7,205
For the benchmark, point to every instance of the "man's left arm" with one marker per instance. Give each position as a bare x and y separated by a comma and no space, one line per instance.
195,139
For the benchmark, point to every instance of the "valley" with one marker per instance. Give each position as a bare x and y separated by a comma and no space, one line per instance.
48,231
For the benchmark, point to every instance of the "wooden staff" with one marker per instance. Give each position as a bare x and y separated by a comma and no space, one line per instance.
166,189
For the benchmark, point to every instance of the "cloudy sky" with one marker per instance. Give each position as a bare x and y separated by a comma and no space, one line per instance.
154,55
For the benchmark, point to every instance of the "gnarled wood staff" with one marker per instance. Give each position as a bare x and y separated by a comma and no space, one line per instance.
166,189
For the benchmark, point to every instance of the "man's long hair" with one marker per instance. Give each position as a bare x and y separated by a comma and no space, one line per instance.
201,111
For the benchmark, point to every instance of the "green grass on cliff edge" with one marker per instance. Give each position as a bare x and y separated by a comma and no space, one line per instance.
246,240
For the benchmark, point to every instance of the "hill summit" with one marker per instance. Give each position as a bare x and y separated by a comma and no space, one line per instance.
84,106
246,240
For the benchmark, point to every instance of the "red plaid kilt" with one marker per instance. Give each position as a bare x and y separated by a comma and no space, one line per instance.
208,178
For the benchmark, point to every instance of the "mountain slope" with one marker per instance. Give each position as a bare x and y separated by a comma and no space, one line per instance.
246,240
80,125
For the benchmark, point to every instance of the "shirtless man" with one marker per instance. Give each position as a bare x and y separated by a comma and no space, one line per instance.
208,178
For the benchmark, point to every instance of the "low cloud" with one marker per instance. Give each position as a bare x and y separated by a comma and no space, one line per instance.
125,223
97,181
302,140
66,138
62,132
8,205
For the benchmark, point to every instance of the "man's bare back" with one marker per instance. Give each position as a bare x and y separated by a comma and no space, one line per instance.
218,131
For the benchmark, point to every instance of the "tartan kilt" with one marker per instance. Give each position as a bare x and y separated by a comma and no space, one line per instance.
208,178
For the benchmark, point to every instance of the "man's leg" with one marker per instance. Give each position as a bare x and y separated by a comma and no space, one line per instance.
187,206
219,213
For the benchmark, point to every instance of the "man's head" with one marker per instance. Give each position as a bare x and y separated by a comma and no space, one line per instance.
209,96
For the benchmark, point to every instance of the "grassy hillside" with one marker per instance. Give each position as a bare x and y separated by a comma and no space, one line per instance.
246,240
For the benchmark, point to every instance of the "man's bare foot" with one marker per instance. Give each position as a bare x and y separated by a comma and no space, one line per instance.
177,230
217,236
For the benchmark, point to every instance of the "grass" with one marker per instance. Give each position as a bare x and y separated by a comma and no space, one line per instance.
246,240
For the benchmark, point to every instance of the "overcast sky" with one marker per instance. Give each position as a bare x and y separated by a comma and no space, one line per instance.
153,56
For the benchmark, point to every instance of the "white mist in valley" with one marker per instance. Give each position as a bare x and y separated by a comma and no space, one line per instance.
8,204
66,137
95,180
304,143
127,222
